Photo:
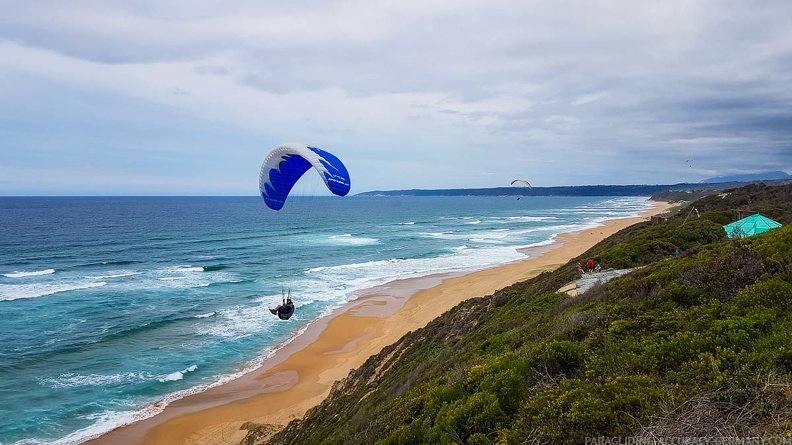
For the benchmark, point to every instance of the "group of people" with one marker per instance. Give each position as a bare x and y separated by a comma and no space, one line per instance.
590,267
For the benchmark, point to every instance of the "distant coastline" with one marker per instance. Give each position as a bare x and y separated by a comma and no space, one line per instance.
580,190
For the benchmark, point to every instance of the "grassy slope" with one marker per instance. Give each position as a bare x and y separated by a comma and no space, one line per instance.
694,346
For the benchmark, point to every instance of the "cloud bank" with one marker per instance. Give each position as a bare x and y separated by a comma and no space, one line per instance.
172,97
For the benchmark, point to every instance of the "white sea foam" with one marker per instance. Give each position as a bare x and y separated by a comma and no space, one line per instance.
518,234
408,223
546,242
180,269
530,218
482,236
368,274
104,422
185,277
183,282
10,292
482,240
493,236
242,321
193,281
71,380
206,315
19,274
114,274
347,238
446,234
178,375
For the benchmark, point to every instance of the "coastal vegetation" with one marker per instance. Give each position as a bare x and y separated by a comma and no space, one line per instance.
695,345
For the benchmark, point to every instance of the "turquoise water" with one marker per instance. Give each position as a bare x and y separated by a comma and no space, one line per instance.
112,306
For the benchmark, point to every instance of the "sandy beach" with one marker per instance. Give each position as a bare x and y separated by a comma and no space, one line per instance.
300,375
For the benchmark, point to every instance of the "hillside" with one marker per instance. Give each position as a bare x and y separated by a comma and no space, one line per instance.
690,346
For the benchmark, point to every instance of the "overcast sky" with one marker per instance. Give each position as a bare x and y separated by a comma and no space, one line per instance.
162,97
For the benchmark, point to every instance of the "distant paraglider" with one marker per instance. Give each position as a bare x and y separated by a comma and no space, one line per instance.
521,181
685,175
281,170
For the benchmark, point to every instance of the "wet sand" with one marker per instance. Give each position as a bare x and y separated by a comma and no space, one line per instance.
301,374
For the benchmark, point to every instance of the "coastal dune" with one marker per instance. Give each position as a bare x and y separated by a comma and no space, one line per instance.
301,373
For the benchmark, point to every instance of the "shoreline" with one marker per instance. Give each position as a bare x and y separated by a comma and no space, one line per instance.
301,373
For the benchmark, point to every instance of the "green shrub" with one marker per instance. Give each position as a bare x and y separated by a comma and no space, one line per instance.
479,413
682,295
506,376
577,409
559,357
771,293
740,331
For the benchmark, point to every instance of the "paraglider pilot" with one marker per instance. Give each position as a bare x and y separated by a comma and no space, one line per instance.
284,311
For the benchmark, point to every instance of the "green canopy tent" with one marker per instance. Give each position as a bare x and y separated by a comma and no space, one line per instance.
750,226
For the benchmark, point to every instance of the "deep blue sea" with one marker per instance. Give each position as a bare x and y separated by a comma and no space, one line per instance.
114,306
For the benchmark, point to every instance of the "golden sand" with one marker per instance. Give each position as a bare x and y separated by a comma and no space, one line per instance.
301,374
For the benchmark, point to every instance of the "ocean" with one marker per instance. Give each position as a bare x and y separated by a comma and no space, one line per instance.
114,306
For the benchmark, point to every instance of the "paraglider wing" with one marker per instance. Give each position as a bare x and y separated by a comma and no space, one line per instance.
522,181
286,164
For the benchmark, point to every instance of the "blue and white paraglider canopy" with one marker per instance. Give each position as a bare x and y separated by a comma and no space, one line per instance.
286,164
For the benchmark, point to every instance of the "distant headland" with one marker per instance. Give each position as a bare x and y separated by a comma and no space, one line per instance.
580,190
